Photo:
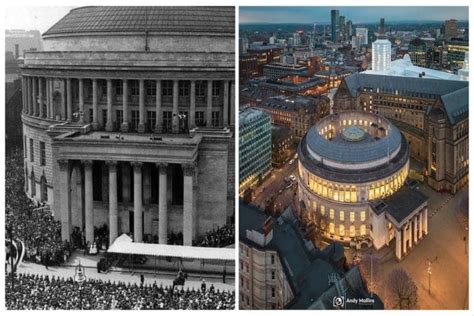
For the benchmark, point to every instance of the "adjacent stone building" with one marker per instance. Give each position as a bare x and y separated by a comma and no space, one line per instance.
431,113
128,118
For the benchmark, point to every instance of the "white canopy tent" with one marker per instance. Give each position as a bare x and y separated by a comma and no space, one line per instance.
124,245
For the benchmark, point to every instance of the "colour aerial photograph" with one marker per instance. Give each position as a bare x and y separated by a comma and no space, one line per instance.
120,158
353,157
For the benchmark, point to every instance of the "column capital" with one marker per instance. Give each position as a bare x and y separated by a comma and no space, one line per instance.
111,163
136,165
162,167
63,164
189,169
87,162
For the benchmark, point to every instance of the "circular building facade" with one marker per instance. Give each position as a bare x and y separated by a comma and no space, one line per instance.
128,102
346,161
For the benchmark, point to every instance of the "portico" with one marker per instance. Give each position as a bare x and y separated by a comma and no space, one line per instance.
159,180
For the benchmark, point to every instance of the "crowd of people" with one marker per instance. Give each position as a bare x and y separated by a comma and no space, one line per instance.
33,225
33,292
221,237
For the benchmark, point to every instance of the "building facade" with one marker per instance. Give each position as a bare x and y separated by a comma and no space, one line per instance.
255,147
431,113
347,161
130,124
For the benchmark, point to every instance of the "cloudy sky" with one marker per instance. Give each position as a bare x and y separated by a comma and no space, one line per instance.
356,14
34,18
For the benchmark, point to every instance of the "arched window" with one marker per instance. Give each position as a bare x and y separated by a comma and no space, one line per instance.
352,231
342,230
362,230
44,189
331,228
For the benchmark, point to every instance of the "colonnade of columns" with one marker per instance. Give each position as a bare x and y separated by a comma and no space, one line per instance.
189,202
411,233
38,100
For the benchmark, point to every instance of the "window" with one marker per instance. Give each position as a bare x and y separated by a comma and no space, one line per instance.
199,118
118,87
215,118
362,230
273,291
104,117
362,216
352,231
183,120
331,228
119,114
201,88
91,115
42,154
150,87
150,120
135,120
167,88
273,275
352,217
32,150
44,189
272,259
331,213
341,215
134,88
183,88
341,230
216,88
167,118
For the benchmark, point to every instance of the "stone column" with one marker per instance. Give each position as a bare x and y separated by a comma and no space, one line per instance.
163,203
95,106
63,100
124,127
420,226
404,239
141,124
52,111
48,98
209,104
159,112
65,200
410,234
69,99
232,103
27,95
113,205
40,96
109,126
398,245
175,117
137,202
192,110
35,96
23,95
89,200
415,229
226,104
82,112
188,214
425,221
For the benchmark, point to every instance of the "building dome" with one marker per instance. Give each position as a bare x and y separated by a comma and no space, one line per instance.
143,29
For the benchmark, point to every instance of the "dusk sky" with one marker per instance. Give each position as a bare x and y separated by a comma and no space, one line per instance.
356,14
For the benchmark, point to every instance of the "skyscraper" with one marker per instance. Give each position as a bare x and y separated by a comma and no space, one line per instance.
334,25
342,28
450,29
381,50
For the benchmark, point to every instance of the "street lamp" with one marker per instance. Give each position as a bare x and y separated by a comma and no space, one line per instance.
80,277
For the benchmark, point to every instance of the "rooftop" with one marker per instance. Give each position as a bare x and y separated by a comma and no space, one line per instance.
400,204
151,19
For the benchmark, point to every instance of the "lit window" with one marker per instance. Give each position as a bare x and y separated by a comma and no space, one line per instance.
341,230
331,213
331,228
341,215
352,216
362,230
362,216
352,231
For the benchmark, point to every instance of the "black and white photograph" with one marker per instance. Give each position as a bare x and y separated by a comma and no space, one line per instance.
120,158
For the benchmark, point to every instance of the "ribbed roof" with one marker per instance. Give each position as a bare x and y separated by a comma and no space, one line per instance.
456,105
140,19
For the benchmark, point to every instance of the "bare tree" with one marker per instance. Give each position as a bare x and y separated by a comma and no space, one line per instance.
370,271
402,290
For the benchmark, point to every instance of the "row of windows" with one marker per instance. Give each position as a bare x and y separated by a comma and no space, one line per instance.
42,151
342,231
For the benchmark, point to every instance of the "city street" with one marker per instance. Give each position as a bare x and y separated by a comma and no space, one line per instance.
274,186
445,246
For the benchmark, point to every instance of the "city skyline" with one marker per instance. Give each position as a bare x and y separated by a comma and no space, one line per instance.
360,14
